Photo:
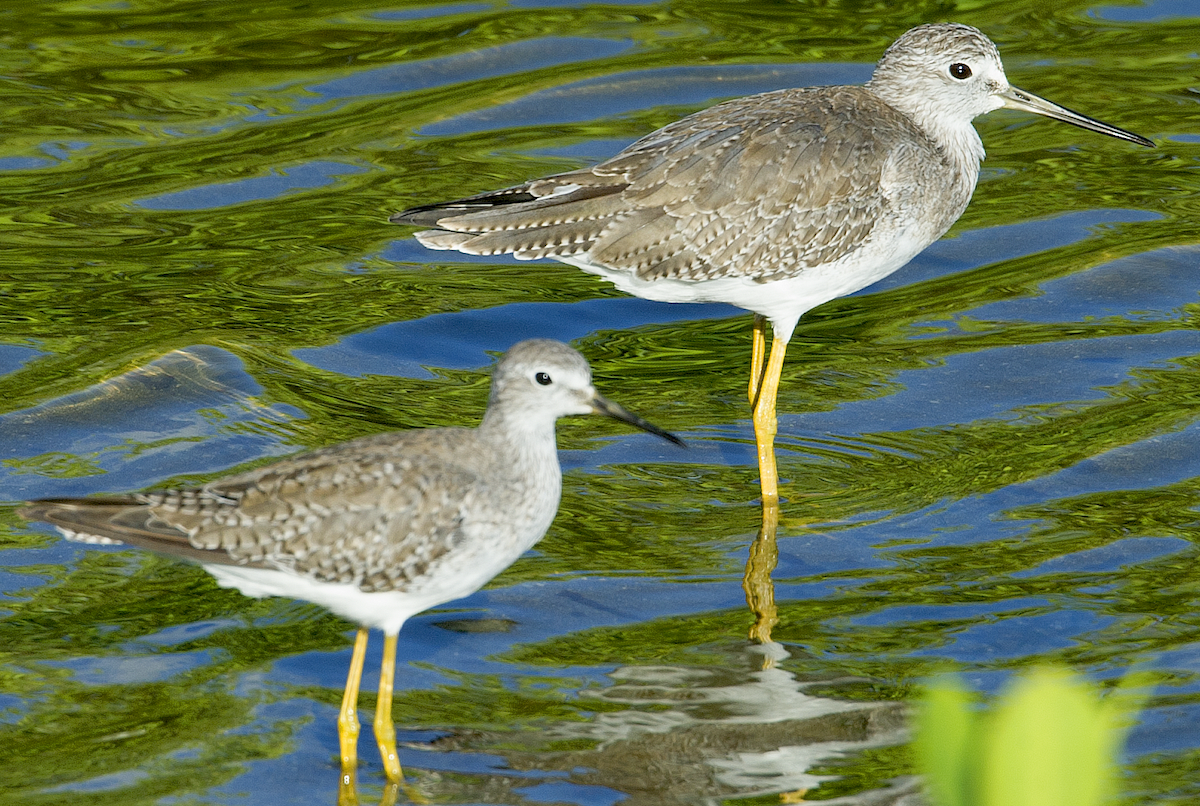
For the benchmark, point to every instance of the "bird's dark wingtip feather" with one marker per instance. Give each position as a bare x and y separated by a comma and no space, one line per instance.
33,511
417,216
39,509
427,215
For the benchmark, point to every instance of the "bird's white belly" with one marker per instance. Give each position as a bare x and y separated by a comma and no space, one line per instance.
469,566
783,301
385,610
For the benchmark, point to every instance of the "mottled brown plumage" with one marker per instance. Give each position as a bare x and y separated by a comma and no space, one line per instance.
375,529
377,513
427,514
789,197
776,202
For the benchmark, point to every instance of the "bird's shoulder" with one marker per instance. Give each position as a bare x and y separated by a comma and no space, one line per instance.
811,126
761,187
393,500
380,470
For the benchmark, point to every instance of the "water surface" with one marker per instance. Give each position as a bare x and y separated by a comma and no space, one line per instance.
988,459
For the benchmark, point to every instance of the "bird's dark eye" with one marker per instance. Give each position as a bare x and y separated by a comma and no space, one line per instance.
960,70
542,378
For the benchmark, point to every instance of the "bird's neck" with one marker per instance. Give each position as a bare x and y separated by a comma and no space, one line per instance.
949,128
523,437
960,142
524,459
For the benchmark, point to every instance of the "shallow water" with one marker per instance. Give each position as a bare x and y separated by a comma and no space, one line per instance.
989,459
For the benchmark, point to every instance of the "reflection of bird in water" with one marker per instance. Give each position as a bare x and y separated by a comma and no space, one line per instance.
756,579
775,202
747,733
740,727
375,529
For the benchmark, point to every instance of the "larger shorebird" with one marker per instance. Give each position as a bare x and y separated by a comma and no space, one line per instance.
376,529
775,202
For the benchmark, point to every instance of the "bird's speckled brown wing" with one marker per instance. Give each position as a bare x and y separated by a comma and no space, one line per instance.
362,512
762,187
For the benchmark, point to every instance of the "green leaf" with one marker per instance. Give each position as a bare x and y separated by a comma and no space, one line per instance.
1050,742
943,739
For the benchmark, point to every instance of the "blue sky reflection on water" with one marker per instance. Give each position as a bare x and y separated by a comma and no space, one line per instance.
988,457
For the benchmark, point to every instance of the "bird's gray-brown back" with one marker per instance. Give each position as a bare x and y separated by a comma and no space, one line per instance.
379,512
384,512
761,187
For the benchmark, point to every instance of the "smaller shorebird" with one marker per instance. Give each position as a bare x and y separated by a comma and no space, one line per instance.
775,202
376,529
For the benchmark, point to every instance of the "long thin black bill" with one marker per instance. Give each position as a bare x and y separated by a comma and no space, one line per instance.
603,405
1028,102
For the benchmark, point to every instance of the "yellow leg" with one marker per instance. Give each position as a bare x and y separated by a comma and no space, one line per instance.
385,730
348,726
765,423
758,356
756,582
391,792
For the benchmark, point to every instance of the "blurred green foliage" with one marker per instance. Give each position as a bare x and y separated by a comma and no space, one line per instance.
1049,740
899,542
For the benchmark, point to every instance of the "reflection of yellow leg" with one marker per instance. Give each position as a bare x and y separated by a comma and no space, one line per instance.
760,591
347,791
348,721
765,423
758,356
385,731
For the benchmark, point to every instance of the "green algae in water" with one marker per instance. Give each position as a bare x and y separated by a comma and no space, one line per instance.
988,460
